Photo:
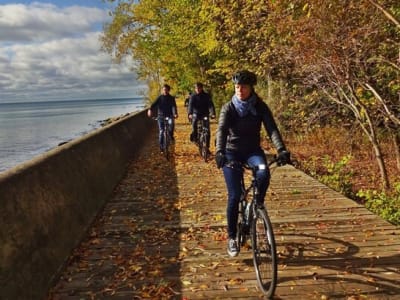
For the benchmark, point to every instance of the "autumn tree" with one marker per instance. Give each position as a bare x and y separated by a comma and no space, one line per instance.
343,50
166,38
328,59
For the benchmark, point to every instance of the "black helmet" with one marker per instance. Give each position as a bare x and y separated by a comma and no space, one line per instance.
244,77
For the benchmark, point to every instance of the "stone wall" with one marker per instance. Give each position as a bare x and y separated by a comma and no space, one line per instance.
48,203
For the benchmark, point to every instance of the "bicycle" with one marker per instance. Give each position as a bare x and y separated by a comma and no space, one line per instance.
165,140
203,136
253,221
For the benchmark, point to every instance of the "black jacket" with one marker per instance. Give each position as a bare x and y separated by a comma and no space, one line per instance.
242,134
201,105
166,106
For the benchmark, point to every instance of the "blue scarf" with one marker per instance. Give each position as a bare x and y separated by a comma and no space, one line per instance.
244,107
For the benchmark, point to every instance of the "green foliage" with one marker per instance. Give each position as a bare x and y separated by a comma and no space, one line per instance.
386,206
220,97
336,175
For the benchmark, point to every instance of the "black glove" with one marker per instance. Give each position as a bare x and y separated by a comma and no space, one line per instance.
283,157
220,159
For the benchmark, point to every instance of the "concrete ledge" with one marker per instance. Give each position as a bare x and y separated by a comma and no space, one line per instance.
47,204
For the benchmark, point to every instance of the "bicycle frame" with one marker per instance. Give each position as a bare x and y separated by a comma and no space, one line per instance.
247,208
253,185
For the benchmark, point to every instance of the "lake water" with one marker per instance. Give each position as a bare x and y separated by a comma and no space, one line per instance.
30,128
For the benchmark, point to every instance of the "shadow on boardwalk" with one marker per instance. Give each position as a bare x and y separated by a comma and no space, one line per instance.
162,236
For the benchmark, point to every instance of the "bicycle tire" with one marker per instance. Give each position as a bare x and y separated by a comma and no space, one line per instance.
166,143
204,149
207,154
200,144
264,252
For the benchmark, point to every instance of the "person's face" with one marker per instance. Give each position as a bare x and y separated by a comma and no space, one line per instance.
165,91
243,91
198,89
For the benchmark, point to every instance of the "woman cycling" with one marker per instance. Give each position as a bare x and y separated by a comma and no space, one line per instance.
238,138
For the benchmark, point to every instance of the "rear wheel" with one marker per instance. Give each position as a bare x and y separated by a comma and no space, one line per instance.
264,252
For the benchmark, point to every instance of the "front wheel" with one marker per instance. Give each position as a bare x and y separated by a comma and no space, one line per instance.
204,152
166,144
264,252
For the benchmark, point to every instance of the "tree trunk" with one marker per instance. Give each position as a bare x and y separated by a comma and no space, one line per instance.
381,164
371,134
396,144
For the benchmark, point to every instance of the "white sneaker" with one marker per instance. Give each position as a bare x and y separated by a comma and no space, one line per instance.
233,249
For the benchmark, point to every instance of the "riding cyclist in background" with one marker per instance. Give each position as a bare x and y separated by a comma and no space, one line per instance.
238,139
200,106
166,107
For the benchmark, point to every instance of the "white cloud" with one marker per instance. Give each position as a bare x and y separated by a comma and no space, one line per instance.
40,21
47,51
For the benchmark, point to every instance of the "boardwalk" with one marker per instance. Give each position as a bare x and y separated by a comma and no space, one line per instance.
162,236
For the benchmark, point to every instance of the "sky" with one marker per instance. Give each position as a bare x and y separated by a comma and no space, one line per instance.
50,50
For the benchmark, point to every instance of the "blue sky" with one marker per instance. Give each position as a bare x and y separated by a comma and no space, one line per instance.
51,50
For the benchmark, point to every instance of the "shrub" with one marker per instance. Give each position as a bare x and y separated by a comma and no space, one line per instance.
386,206
336,175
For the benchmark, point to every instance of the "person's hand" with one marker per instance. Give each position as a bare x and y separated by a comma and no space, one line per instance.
220,159
212,116
190,116
283,157
149,113
176,116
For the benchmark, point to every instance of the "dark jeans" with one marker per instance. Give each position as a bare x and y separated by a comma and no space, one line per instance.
161,128
233,178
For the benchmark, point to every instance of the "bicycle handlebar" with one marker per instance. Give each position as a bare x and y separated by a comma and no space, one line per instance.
165,118
238,164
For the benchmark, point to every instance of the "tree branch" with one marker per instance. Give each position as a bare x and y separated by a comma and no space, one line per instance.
390,114
386,13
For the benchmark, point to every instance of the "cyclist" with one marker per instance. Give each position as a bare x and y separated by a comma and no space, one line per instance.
238,138
200,106
166,107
